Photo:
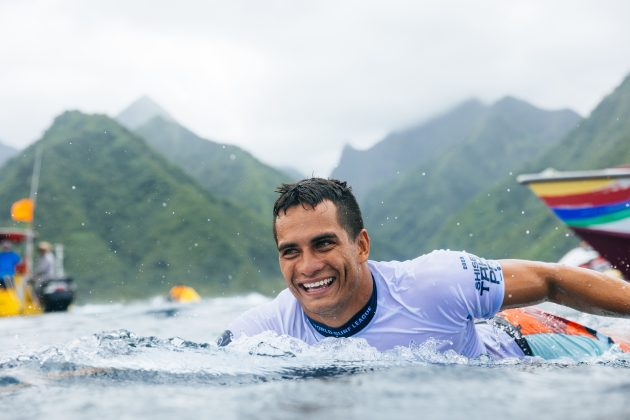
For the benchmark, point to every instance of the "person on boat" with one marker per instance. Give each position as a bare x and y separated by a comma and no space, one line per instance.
45,268
454,301
9,259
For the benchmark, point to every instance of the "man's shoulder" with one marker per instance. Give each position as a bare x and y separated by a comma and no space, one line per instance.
449,285
285,297
429,274
435,262
283,303
279,314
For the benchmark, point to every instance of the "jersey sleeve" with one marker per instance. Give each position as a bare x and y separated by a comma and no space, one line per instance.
252,322
459,286
270,316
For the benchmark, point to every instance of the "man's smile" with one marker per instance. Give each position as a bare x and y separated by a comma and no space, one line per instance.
318,285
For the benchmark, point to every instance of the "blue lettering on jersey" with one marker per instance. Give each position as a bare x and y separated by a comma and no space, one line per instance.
485,273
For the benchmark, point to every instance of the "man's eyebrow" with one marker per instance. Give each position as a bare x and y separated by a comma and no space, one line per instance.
327,235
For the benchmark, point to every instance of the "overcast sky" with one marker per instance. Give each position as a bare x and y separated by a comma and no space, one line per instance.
293,81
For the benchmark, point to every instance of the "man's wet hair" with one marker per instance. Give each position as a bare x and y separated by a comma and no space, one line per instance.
310,192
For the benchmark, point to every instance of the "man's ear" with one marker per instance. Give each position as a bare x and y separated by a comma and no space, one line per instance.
363,245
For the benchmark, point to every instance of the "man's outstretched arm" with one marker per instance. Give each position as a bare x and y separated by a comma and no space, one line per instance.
529,282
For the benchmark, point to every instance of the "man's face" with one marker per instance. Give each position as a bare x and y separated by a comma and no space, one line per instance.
324,268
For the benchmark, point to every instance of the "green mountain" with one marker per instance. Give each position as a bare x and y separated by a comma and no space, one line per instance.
508,221
132,223
226,171
403,212
404,150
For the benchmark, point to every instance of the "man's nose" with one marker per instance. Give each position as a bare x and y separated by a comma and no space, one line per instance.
310,264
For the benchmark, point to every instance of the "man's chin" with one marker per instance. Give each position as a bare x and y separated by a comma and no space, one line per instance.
323,311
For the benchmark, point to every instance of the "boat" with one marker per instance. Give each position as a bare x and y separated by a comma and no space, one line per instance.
594,204
586,257
57,293
19,296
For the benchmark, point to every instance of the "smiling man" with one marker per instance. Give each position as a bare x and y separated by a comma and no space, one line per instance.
457,300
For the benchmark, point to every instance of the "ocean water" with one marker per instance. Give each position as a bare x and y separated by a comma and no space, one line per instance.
157,360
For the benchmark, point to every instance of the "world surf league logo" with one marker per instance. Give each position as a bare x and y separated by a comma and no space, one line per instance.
486,273
354,326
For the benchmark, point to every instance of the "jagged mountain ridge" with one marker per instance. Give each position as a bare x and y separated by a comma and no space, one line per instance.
406,149
140,111
403,212
224,170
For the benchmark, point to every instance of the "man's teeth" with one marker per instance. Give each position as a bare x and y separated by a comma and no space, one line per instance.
320,283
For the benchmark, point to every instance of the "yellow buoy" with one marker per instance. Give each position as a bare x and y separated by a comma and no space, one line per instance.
183,294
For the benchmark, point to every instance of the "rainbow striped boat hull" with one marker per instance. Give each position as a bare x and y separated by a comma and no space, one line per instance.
594,204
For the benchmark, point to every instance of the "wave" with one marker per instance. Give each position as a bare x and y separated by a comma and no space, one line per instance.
120,356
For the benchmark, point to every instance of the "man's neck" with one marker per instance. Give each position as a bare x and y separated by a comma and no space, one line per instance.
364,293
355,324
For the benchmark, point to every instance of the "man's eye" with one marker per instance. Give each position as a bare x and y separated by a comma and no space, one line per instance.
288,253
325,244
